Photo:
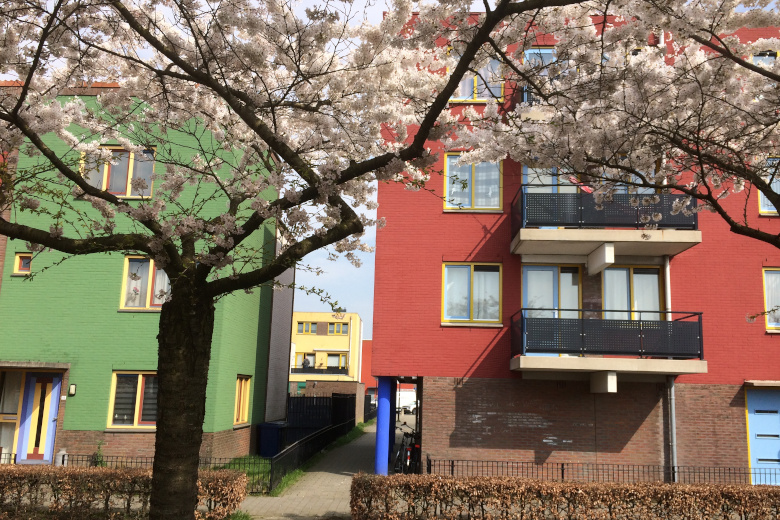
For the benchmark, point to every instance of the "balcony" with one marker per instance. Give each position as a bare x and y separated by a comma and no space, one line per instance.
578,228
326,370
579,344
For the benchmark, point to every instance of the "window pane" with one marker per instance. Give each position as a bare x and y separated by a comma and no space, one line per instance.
300,328
137,282
647,295
6,442
24,263
143,169
772,282
570,292
345,328
487,181
94,176
117,173
486,293
542,180
314,328
456,292
466,88
458,183
773,177
540,292
616,293
161,288
333,360
331,328
489,81
149,406
124,399
10,388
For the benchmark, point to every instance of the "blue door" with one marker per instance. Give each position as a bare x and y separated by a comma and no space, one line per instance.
38,420
764,434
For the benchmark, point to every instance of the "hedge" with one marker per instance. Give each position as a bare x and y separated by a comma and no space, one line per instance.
107,492
411,497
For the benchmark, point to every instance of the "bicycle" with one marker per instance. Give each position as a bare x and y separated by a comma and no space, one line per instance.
407,458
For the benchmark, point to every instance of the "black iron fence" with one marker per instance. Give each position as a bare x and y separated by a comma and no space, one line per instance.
312,370
578,210
588,472
585,331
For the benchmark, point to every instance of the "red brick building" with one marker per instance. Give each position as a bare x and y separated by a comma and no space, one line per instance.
533,337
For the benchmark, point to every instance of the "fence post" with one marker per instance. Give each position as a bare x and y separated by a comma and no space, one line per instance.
563,471
452,468
428,463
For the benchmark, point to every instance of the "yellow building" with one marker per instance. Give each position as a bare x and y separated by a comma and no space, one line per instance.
326,347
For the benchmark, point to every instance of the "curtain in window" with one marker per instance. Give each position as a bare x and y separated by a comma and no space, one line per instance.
333,360
458,183
540,292
124,399
117,172
143,168
137,282
772,279
616,294
487,181
10,388
161,288
647,295
95,176
486,292
456,292
489,81
149,405
570,292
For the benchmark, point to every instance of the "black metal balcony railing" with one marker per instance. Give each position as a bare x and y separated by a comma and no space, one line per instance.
578,210
541,331
325,370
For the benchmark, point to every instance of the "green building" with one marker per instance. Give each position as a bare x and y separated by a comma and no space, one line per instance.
78,349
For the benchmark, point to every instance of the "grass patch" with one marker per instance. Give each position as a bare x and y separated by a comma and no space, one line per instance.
239,515
256,468
293,477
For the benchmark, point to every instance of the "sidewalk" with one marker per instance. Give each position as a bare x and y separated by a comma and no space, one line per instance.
323,491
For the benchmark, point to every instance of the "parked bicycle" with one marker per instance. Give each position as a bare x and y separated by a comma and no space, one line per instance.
409,455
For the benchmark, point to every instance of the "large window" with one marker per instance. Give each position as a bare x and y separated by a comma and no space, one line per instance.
632,293
337,361
340,329
772,176
486,84
242,400
539,58
772,297
133,400
307,327
128,174
551,291
471,293
144,286
475,186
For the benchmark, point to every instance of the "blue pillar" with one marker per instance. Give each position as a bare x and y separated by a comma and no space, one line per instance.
384,421
393,420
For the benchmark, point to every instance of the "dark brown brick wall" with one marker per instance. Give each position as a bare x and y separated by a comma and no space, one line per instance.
328,388
543,421
711,429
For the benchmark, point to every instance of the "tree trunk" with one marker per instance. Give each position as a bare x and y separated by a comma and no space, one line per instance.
184,342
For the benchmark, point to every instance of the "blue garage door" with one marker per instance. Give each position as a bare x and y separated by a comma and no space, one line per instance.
764,434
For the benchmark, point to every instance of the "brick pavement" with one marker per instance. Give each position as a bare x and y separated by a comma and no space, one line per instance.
323,491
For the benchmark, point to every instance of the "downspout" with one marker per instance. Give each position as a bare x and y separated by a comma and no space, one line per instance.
672,427
667,288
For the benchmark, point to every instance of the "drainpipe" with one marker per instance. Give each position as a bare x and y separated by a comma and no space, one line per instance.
667,288
672,427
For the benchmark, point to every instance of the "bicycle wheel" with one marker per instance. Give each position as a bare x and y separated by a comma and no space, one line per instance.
398,466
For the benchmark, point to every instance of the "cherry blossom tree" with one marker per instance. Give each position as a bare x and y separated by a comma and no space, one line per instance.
289,119
676,97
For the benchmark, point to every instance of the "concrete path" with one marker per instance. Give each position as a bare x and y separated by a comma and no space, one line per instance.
323,491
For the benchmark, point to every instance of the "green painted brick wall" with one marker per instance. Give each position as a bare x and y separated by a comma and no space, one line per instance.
69,313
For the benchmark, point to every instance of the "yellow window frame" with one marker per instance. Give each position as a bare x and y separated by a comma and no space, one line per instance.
149,285
661,295
137,425
764,271
474,81
472,186
241,410
307,327
130,170
18,270
472,265
761,210
339,329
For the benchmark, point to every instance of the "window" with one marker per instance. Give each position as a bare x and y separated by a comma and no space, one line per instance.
144,286
338,328
632,293
242,400
133,400
307,327
538,58
337,360
471,293
772,176
128,174
472,186
22,263
765,58
551,291
772,297
300,358
484,85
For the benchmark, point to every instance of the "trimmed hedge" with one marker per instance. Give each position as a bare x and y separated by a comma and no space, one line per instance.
107,492
411,497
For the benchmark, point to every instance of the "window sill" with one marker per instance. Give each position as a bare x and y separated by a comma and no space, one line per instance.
131,430
21,275
773,331
474,324
140,309
469,210
770,214
241,426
